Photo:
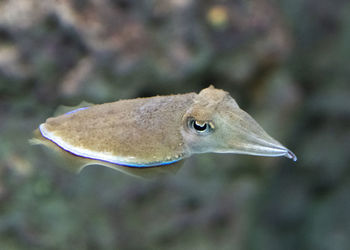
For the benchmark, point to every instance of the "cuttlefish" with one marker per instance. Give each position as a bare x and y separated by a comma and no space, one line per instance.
153,135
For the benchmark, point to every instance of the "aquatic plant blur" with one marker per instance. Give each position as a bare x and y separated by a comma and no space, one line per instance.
284,61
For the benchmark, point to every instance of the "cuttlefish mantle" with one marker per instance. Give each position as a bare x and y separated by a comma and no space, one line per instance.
161,130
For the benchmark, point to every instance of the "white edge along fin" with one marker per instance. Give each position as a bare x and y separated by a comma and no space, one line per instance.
101,156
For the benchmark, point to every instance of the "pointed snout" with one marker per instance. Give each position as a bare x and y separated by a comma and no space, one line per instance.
248,137
265,146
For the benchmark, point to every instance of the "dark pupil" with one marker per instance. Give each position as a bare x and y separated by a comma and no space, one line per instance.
198,127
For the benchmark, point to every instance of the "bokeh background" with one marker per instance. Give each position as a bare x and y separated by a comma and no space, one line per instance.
286,62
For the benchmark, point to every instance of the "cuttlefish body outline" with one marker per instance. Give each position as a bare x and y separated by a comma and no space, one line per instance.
161,130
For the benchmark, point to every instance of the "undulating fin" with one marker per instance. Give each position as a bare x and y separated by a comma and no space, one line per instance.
69,109
146,137
146,173
138,133
73,164
77,164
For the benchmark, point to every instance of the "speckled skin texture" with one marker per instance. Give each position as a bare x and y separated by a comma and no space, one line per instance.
154,131
76,164
144,129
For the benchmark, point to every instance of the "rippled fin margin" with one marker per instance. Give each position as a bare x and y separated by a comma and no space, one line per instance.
67,109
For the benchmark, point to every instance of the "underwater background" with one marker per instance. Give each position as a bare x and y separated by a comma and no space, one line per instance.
287,63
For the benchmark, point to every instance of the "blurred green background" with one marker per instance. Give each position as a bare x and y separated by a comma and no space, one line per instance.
287,63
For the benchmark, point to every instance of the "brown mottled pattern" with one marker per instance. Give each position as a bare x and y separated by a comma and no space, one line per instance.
145,128
155,130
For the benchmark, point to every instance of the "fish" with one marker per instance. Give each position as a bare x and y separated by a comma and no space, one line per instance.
153,135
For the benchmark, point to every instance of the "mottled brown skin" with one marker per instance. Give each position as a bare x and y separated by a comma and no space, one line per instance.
145,128
76,164
162,129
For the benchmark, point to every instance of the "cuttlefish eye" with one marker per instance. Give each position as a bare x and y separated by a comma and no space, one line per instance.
202,128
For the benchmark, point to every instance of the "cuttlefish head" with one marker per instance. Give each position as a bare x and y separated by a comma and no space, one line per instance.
215,123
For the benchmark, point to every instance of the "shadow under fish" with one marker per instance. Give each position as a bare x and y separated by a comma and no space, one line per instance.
151,136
